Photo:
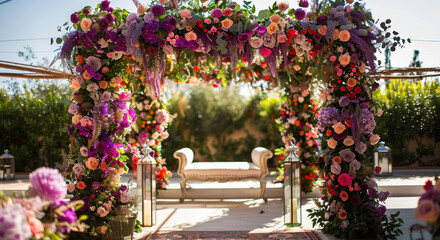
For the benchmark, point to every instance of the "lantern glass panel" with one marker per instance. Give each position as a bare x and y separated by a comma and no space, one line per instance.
292,189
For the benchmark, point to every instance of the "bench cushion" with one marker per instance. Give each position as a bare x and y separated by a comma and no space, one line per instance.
222,169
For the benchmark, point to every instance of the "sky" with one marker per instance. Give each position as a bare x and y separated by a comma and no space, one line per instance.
38,19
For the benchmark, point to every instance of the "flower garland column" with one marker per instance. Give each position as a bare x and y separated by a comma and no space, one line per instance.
101,114
298,118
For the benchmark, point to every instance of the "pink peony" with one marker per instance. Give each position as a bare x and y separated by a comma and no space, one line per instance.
344,179
427,211
265,52
124,96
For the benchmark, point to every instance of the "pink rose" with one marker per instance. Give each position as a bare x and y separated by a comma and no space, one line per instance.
92,87
360,147
102,212
185,13
344,179
427,211
339,127
336,168
348,141
159,128
256,42
165,135
281,38
86,24
125,198
71,187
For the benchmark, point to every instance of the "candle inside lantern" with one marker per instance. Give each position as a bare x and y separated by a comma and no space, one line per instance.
294,211
146,211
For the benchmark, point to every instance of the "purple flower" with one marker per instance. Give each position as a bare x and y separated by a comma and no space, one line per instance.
74,18
381,210
356,200
216,13
347,155
300,14
172,20
383,196
70,130
13,223
104,5
243,37
365,105
303,3
317,36
322,20
366,122
86,205
86,11
123,188
375,86
340,137
103,24
69,216
117,194
110,18
158,10
344,101
372,192
48,184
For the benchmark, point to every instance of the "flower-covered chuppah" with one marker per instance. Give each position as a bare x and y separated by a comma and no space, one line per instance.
336,40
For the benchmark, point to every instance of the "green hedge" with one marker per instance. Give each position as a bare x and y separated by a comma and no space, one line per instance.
33,126
218,112
411,112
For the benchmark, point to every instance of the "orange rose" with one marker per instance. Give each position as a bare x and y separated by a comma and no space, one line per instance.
120,171
142,9
103,166
275,18
337,160
332,143
362,68
86,75
344,36
272,28
283,6
351,82
374,139
336,34
80,185
323,30
80,59
227,23
86,24
92,163
339,127
190,36
75,85
348,141
342,214
343,196
76,119
345,59
103,84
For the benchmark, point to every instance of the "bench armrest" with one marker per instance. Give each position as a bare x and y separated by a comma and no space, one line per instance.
259,158
185,156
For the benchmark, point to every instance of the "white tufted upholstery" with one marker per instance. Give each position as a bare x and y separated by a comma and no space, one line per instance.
223,171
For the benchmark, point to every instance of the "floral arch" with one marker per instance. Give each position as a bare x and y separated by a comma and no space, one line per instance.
115,54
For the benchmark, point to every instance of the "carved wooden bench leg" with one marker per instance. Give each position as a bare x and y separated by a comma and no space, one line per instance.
263,188
182,189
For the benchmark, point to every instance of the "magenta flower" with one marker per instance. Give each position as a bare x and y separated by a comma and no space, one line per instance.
216,13
344,179
48,184
74,18
158,10
303,3
300,14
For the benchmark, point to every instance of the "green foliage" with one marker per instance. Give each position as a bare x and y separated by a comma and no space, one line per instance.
33,126
203,113
411,112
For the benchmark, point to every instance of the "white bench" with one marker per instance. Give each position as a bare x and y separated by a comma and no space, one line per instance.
223,171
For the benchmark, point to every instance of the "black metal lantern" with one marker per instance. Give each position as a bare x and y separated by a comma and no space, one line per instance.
7,166
382,157
146,184
292,188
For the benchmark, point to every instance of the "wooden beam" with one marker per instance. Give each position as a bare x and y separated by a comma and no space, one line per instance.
418,77
408,70
35,76
35,69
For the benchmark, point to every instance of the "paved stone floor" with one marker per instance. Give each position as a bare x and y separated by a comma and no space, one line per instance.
234,206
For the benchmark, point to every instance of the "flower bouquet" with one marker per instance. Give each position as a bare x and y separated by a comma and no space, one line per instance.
428,208
41,212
